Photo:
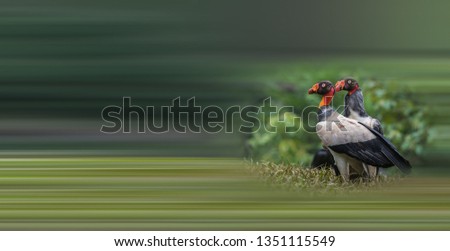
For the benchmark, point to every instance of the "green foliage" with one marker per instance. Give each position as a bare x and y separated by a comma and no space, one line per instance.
282,146
404,120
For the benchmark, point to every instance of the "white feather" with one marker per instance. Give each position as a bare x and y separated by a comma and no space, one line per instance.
341,130
338,130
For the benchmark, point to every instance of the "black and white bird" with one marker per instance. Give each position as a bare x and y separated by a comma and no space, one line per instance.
354,104
354,109
352,143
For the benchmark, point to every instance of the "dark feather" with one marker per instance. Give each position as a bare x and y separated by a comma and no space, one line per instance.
324,158
368,152
377,152
391,152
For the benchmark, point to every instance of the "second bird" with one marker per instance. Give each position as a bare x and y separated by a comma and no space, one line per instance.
354,109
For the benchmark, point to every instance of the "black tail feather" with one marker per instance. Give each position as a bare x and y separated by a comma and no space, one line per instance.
389,150
397,160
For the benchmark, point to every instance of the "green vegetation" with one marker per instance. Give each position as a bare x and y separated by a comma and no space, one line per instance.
319,181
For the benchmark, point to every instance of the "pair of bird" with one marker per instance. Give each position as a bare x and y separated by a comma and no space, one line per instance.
355,140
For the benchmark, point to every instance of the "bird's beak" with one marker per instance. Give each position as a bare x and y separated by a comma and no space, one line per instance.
313,89
339,86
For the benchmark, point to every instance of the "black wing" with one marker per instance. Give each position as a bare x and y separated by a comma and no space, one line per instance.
376,152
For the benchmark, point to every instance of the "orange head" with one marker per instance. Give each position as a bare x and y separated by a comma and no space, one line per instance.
325,89
348,84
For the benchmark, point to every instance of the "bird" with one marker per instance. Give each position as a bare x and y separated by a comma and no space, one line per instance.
354,103
354,109
323,158
352,143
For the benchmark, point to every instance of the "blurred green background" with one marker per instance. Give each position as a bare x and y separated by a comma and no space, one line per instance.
62,63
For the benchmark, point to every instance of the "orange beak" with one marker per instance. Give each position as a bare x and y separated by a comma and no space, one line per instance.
339,86
313,89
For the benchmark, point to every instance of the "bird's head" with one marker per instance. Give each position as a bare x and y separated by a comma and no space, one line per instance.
325,89
348,84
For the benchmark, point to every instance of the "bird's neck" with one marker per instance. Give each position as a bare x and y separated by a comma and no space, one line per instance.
327,98
355,103
325,113
354,90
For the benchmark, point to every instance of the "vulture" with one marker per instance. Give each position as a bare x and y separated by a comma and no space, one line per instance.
354,104
352,143
354,109
323,158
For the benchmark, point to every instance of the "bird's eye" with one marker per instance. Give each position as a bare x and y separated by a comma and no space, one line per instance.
323,85
349,81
